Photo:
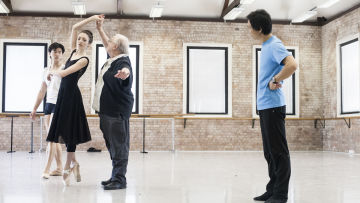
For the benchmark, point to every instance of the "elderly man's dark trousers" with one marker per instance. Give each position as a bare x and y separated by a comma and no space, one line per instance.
116,135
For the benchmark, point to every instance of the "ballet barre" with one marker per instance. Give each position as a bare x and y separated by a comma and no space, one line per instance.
16,115
11,133
158,116
318,121
144,117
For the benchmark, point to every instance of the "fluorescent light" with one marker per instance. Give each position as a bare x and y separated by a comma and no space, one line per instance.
156,11
233,13
79,8
246,2
304,16
328,3
3,8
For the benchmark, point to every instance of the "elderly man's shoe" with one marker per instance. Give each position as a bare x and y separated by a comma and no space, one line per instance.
263,197
114,186
275,200
105,182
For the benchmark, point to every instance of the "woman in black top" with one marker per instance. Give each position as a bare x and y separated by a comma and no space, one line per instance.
69,124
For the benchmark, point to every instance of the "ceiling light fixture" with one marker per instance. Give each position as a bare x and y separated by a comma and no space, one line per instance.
156,11
79,7
4,8
235,12
328,3
246,2
301,18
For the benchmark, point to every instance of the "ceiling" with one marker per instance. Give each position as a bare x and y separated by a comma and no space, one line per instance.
284,10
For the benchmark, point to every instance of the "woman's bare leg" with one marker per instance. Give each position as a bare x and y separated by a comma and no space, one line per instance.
70,156
67,169
71,165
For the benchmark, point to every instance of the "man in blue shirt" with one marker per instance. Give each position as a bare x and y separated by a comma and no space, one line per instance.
276,65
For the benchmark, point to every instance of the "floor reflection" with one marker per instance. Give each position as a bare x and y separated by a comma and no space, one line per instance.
182,177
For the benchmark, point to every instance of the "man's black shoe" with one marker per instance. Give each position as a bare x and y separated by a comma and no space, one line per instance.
105,182
114,186
274,200
263,197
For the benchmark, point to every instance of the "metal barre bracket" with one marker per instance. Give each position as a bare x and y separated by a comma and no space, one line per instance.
321,123
348,123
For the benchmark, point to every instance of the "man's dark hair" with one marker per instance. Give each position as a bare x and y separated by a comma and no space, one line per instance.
55,46
260,20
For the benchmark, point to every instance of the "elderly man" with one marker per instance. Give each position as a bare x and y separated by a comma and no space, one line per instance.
113,100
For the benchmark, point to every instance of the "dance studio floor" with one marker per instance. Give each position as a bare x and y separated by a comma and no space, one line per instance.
182,177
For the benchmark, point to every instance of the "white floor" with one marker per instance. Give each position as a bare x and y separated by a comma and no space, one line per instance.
182,177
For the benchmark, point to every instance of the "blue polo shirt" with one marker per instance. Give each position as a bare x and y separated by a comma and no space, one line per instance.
273,52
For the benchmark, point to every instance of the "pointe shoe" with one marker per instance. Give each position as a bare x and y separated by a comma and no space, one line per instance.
56,172
66,180
76,169
45,175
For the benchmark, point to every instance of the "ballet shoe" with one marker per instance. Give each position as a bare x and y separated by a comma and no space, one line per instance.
76,169
45,175
66,180
56,172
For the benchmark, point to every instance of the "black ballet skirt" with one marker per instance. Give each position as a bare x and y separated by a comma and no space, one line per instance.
69,124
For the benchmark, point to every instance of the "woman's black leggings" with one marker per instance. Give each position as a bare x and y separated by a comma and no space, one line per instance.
70,148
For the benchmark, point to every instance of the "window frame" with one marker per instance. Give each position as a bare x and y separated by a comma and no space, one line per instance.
342,42
26,42
228,78
296,89
139,75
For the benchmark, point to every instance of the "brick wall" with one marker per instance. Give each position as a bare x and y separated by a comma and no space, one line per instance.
337,136
163,82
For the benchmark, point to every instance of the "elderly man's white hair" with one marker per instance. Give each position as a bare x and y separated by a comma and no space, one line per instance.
123,43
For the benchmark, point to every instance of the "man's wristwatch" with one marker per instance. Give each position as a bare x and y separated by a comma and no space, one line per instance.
273,80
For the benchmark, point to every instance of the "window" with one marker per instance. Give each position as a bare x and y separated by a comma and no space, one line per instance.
207,79
23,63
348,76
290,85
101,57
134,53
